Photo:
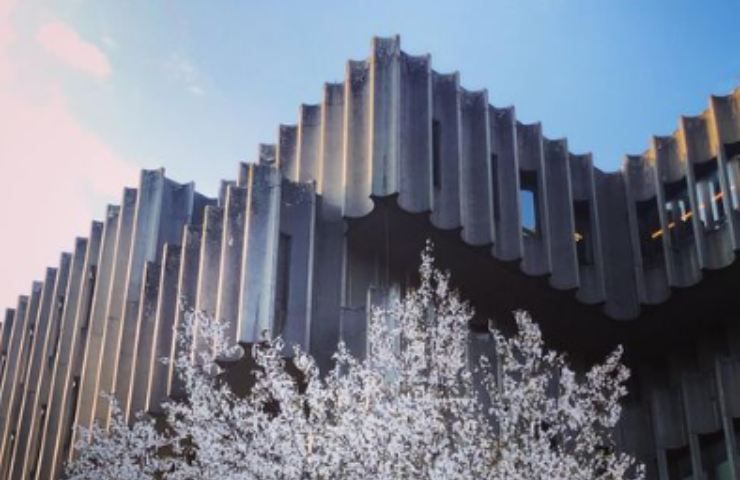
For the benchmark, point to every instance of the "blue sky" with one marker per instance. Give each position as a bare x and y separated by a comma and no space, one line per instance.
194,86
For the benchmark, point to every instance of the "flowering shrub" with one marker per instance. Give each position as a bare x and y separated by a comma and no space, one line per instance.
417,406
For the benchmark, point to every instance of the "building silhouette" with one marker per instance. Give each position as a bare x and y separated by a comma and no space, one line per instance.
331,219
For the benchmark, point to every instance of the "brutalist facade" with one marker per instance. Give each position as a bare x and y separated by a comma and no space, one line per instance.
332,218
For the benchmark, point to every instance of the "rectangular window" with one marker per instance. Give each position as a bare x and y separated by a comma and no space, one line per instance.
436,154
583,234
709,195
529,202
282,284
678,214
494,181
650,232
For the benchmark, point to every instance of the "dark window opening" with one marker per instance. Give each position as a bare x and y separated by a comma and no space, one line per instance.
679,463
72,413
436,154
678,214
529,200
494,181
709,195
650,232
282,287
583,234
732,154
714,457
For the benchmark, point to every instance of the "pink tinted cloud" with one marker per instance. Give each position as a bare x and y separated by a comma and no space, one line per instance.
64,43
55,173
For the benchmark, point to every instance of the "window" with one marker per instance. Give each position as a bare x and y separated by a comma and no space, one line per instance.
679,463
709,195
678,214
583,234
282,284
714,457
494,181
529,199
650,233
436,154
732,152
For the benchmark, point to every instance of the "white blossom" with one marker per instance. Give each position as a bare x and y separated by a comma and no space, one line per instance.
417,406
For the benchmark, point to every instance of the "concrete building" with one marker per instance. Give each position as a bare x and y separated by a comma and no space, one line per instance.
335,213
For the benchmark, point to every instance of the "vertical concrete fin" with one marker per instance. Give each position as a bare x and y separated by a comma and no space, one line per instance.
446,150
98,320
10,372
267,154
259,258
476,186
587,229
223,187
29,383
8,423
559,214
145,339
242,175
7,329
505,172
415,134
647,230
536,230
287,151
210,260
104,383
331,182
232,245
384,114
724,134
187,291
156,217
48,361
166,314
295,264
357,161
309,131
676,187
57,434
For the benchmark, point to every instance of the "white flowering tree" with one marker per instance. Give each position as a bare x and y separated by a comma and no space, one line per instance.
415,407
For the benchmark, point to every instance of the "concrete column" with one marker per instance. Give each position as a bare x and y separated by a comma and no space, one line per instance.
160,382
28,386
104,370
591,275
232,245
415,134
357,160
559,213
45,369
384,114
297,229
724,129
57,433
10,406
287,151
505,171
446,150
652,280
476,185
309,131
536,260
145,338
7,328
259,259
96,328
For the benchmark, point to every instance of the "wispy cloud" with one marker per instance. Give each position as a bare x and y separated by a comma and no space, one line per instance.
180,69
64,43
